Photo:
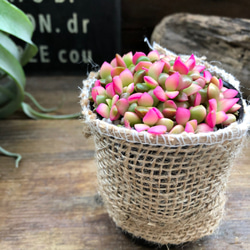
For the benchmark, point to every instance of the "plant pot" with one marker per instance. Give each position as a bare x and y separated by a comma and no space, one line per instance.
167,189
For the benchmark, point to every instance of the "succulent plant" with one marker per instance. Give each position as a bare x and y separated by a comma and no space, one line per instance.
157,94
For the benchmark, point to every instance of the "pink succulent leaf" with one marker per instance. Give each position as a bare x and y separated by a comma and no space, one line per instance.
166,122
213,92
146,100
127,124
155,69
194,75
177,129
157,130
122,105
114,99
141,111
117,83
201,82
212,105
199,68
94,93
134,97
127,58
223,89
110,89
211,119
105,70
143,65
166,66
145,69
132,117
184,82
98,90
193,123
226,104
192,89
221,116
172,82
116,71
160,94
170,104
139,127
113,63
190,63
103,110
235,108
136,56
220,84
97,83
203,128
130,88
120,62
231,118
180,67
182,97
158,112
197,99
182,116
150,82
185,105
151,118
126,77
172,94
169,112
230,93
114,114
189,128
207,75
154,55
215,81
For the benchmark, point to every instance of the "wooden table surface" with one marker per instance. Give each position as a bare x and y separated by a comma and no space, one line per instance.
51,201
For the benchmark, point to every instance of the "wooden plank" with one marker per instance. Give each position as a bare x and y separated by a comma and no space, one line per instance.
51,201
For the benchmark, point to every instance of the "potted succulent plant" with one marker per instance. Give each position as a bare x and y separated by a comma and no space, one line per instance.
166,130
15,24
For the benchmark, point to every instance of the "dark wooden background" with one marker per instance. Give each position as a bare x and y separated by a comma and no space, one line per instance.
140,17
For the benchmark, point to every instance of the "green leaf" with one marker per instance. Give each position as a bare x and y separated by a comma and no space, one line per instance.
14,22
7,153
9,45
35,102
37,115
11,66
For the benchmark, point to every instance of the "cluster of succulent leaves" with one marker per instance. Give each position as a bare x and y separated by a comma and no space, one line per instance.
15,24
159,94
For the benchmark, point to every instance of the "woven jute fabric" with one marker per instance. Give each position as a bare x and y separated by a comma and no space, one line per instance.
163,194
167,189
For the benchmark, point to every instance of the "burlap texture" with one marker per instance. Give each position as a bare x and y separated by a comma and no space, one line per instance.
166,188
164,194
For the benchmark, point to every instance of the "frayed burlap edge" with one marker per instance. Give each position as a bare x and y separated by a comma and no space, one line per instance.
166,189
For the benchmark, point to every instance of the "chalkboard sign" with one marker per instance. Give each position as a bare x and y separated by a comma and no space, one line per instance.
71,33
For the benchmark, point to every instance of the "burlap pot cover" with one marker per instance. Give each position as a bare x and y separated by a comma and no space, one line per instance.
167,189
